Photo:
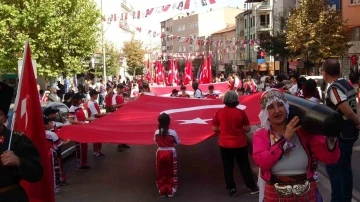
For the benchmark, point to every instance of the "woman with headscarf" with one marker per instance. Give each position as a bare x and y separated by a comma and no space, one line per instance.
166,160
283,151
232,123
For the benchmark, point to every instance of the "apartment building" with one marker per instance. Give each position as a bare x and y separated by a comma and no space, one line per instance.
240,36
194,26
117,28
261,20
224,53
350,12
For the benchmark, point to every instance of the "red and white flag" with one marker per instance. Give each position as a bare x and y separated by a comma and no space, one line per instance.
204,76
191,118
29,120
187,5
188,72
209,60
176,72
171,73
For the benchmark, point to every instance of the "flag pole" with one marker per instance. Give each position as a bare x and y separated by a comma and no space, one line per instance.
18,93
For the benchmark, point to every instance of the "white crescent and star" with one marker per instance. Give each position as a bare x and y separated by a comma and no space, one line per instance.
197,120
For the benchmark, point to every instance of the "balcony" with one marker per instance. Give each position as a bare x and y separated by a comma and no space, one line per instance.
263,27
264,6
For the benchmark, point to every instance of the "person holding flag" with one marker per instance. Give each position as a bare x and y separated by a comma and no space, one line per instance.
93,111
77,116
211,94
21,162
54,143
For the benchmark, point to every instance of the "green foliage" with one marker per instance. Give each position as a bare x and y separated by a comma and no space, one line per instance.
134,54
112,55
228,69
315,31
196,63
181,64
61,33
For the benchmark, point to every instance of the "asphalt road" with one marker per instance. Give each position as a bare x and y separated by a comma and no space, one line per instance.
129,176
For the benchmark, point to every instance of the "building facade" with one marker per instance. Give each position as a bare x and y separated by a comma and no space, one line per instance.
239,36
223,54
260,21
117,28
194,27
351,13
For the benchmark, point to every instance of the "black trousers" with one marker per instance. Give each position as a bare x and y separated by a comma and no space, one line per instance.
16,195
228,156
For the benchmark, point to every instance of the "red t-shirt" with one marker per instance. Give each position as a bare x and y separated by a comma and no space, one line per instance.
117,99
231,121
212,96
108,100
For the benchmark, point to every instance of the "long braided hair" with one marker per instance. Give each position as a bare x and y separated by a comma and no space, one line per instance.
164,122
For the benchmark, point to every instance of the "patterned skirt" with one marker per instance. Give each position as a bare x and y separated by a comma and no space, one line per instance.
271,195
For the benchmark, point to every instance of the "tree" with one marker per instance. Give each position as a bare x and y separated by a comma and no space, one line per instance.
197,62
61,32
112,55
316,32
134,54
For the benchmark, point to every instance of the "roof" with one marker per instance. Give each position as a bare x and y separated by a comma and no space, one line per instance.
229,29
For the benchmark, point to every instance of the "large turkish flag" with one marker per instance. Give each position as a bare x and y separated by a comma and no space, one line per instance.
136,122
219,88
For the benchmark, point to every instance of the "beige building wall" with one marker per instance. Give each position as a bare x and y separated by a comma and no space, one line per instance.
195,26
220,57
186,27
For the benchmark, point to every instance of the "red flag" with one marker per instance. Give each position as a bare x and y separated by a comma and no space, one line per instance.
204,76
166,8
149,11
171,73
188,72
187,5
212,1
219,88
157,72
29,119
138,14
210,71
191,118
176,72
162,68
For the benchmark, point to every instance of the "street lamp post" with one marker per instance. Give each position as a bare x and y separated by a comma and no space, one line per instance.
103,44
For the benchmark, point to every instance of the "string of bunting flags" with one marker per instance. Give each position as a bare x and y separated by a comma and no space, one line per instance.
183,5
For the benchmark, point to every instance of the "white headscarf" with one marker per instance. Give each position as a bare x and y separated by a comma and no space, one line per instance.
267,98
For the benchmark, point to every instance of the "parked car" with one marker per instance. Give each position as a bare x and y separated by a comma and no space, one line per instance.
62,116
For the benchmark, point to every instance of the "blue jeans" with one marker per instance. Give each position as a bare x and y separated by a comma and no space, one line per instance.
340,174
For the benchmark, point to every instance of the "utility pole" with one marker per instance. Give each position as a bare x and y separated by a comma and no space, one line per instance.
150,59
103,44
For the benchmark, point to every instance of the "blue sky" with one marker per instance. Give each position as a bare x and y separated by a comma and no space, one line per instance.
153,22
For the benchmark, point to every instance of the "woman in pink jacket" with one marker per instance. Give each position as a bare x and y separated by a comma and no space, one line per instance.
283,151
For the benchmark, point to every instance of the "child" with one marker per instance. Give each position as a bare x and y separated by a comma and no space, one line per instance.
166,160
51,113
54,143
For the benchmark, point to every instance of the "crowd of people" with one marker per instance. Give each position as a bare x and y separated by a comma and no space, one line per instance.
285,151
